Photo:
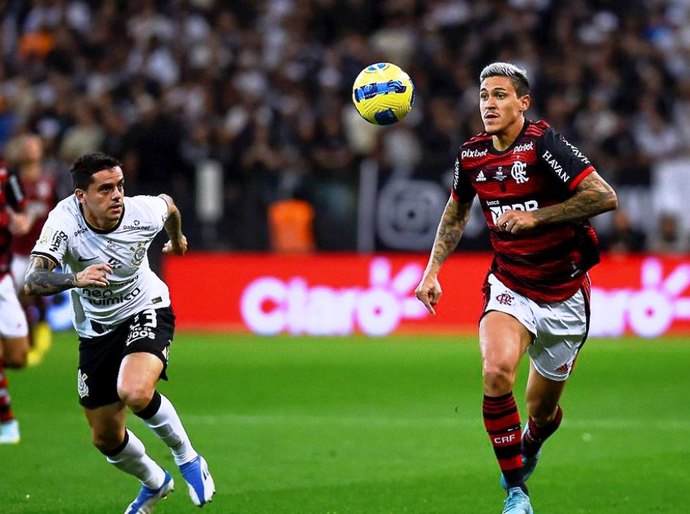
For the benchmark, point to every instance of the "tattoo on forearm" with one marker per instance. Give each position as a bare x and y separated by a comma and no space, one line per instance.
173,225
41,280
450,230
593,197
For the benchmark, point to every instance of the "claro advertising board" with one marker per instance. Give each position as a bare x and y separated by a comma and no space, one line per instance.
341,294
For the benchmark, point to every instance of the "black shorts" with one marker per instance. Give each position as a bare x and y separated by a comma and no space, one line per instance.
150,331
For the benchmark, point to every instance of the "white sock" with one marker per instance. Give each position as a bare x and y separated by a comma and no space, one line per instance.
168,427
134,461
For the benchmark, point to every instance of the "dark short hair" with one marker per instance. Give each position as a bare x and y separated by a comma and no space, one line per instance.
85,166
517,76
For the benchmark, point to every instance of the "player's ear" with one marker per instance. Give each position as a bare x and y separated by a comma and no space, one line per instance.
525,102
79,193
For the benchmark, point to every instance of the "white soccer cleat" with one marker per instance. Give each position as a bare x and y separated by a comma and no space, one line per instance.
517,502
147,498
9,432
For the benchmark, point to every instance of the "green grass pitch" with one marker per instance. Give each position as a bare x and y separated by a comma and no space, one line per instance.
356,425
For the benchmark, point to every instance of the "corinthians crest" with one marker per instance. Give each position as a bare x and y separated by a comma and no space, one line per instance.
82,388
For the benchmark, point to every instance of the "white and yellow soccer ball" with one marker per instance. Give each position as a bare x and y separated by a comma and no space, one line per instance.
383,94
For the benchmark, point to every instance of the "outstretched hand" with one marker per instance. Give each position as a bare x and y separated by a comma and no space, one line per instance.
178,247
429,292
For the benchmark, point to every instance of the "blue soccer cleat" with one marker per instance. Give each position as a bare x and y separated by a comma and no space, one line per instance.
517,502
199,481
528,466
147,498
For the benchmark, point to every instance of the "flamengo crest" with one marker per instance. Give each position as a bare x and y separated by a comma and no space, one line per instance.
519,173
505,299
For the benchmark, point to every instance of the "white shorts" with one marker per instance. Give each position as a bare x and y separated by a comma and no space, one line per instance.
12,318
559,328
20,263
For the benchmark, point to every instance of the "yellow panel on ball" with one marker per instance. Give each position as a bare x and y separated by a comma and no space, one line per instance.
383,93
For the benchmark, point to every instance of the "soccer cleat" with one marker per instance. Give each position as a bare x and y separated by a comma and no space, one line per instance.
147,498
9,432
199,481
42,341
528,466
517,502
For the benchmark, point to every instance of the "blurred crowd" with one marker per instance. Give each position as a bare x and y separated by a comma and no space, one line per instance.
261,89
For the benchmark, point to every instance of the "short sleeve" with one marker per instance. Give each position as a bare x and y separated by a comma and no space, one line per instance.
54,240
462,190
563,159
160,208
153,209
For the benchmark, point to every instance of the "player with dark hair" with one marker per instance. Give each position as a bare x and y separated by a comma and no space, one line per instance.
123,315
537,192
14,330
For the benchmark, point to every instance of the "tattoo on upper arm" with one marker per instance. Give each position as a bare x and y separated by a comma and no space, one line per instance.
42,280
592,196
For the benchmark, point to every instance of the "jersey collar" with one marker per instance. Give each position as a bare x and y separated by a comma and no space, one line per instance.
98,230
492,148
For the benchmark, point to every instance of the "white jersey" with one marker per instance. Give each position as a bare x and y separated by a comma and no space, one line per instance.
74,245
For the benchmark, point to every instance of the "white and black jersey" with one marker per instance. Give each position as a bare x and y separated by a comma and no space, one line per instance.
73,244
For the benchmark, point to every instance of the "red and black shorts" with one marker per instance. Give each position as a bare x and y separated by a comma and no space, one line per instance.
149,331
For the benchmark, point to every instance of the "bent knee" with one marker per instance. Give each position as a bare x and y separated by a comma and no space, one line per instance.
106,442
135,397
498,379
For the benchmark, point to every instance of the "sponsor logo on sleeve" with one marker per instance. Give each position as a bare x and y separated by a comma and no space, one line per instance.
555,166
577,152
57,240
46,235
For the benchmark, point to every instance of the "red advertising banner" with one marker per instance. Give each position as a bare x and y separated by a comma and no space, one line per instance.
340,294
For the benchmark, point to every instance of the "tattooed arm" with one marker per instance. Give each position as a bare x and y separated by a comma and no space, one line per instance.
42,279
173,227
592,196
448,234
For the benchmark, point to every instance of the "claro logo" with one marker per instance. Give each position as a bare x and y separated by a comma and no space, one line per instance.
270,305
649,311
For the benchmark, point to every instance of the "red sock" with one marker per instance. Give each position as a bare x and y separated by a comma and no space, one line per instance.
536,435
502,422
5,408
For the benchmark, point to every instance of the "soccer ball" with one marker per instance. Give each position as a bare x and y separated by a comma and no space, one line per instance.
383,94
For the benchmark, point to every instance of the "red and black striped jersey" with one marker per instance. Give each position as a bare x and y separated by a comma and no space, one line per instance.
11,195
539,169
41,195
